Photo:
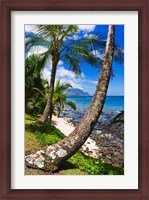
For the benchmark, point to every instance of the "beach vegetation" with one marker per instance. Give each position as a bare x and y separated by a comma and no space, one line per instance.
59,97
33,80
77,138
38,136
61,46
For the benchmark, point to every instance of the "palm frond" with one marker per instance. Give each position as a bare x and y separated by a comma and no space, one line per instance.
41,93
45,58
73,63
32,65
53,32
34,41
46,31
118,54
82,50
92,42
71,104
64,87
56,86
60,89
80,55
71,29
59,97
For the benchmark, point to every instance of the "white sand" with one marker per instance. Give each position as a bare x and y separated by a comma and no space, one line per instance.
62,125
66,128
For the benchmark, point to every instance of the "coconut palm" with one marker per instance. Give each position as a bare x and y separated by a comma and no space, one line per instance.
59,97
51,158
60,45
32,79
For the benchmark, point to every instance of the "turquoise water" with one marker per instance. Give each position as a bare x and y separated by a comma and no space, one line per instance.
112,103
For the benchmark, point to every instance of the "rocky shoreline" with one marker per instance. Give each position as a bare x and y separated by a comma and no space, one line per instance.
108,135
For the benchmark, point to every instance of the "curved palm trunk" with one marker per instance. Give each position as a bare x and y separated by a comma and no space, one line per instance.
54,155
48,108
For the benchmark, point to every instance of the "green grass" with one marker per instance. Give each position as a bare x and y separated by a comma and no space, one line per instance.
43,134
38,135
31,142
46,134
94,166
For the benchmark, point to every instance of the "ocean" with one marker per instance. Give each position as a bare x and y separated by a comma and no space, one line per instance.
112,103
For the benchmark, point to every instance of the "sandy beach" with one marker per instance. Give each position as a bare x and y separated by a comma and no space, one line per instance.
89,146
106,143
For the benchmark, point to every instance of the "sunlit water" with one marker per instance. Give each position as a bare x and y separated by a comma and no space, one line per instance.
112,103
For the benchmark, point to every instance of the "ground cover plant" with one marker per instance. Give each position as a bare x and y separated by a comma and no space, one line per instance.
38,136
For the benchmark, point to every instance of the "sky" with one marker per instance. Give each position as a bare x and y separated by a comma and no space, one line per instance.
89,75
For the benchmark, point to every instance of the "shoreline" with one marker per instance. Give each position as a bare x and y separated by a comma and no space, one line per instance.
104,142
66,129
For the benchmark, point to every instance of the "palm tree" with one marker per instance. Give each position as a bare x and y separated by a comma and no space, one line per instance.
59,97
32,79
61,46
56,154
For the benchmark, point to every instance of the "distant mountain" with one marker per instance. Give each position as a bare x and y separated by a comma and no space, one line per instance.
71,92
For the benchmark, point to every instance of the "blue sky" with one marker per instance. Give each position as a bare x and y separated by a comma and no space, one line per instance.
88,80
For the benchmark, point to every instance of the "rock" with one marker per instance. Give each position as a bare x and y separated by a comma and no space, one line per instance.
115,153
108,134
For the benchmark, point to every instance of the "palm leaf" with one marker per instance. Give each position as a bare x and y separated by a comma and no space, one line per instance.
61,88
34,41
92,42
41,93
71,104
73,63
57,86
118,54
70,30
45,58
46,31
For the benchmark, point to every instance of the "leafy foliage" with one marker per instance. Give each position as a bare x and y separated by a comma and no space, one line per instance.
94,166
59,38
60,44
33,80
59,97
47,134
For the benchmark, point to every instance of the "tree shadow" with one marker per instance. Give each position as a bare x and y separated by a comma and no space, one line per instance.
66,165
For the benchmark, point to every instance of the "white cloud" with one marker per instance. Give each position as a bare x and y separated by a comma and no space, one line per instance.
82,75
64,75
29,28
98,54
73,82
60,63
88,34
76,37
94,82
87,28
46,74
62,72
67,76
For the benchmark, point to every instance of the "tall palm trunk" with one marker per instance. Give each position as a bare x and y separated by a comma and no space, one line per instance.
55,154
48,108
59,111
